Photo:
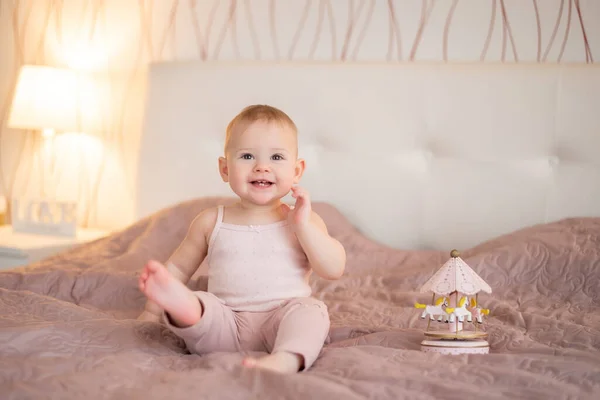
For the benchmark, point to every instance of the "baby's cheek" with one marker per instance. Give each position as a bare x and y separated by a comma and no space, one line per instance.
239,176
287,182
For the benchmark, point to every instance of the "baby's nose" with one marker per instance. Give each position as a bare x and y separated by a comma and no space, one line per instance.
261,167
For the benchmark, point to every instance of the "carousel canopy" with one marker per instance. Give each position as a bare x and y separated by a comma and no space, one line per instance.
455,275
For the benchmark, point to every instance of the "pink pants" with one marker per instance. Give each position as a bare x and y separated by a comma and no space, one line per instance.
299,326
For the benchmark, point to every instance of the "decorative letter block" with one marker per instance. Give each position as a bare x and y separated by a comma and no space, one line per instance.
44,217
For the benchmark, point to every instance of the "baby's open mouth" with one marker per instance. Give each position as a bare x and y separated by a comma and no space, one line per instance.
261,183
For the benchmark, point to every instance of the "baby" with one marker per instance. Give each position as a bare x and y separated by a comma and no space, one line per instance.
260,254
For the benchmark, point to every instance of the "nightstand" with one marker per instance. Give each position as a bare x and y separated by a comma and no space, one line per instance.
17,248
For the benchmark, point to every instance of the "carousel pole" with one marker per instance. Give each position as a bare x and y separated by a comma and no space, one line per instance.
476,305
429,319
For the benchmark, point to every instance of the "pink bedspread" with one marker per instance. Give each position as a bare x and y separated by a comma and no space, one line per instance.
67,327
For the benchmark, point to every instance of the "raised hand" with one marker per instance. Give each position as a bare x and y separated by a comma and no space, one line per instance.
326,255
300,214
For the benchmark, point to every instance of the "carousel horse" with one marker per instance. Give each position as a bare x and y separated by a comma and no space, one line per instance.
477,311
433,310
460,311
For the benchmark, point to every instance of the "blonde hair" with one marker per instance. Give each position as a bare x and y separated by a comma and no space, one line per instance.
257,112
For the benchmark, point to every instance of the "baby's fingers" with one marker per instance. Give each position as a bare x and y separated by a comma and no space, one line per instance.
285,209
298,191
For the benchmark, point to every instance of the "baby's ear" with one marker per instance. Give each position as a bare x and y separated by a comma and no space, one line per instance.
223,170
299,170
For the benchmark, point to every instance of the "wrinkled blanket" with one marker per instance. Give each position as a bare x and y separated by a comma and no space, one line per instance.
68,328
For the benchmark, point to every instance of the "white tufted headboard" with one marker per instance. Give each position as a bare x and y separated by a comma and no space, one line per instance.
415,155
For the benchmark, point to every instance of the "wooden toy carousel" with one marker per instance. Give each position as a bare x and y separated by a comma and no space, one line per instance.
457,287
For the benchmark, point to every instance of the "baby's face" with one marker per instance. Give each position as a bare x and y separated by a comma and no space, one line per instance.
261,162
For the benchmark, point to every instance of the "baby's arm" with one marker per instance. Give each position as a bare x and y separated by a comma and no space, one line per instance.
187,257
326,255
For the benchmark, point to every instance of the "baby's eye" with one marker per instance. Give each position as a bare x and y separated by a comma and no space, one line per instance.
277,157
246,156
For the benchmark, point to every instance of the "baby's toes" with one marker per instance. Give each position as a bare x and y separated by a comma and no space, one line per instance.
249,362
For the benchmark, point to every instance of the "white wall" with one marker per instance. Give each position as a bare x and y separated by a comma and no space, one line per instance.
118,38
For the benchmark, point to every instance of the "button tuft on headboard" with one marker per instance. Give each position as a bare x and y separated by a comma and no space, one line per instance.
428,155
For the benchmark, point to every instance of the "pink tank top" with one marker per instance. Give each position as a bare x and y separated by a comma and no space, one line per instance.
256,267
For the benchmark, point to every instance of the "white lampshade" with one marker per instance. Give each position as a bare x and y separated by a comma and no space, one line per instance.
53,98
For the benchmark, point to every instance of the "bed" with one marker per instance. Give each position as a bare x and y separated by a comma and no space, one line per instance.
404,163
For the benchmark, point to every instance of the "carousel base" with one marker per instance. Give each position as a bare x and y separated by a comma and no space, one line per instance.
462,342
460,335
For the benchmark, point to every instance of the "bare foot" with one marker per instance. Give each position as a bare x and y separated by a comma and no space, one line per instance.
282,362
173,296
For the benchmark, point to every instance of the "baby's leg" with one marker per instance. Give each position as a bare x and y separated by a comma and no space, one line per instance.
296,333
216,331
173,296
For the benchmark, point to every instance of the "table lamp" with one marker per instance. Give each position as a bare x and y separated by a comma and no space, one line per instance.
52,101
